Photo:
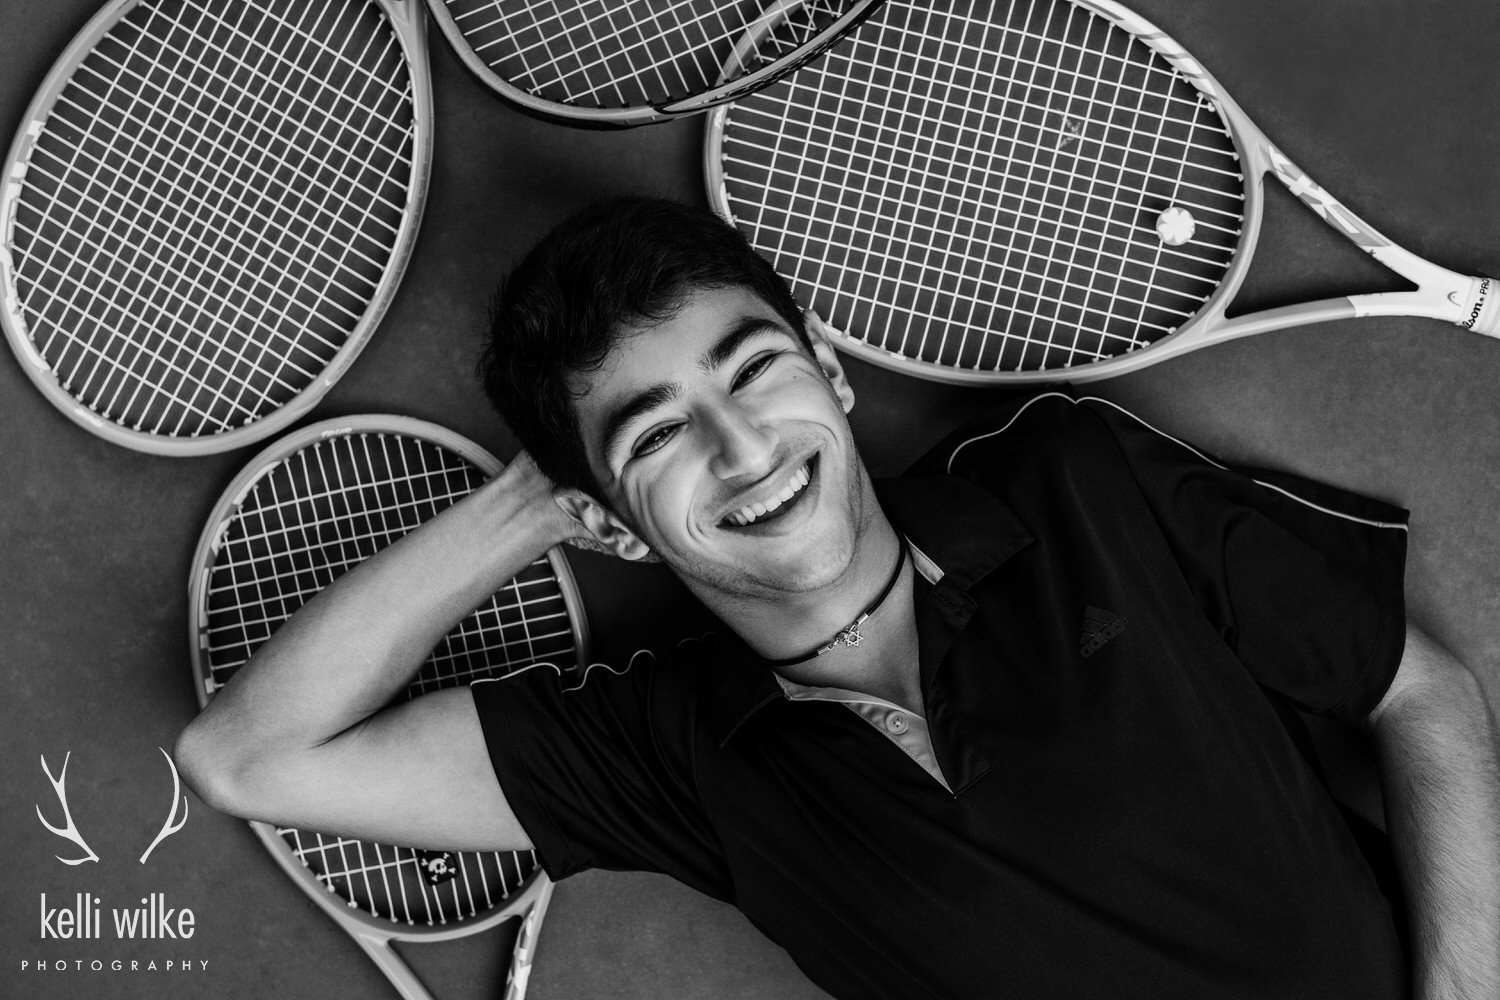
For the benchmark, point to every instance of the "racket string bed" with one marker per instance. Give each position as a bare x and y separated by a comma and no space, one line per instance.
299,524
389,883
179,195
612,54
986,179
178,192
210,205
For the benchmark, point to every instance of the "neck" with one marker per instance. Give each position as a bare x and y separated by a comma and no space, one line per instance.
852,634
884,664
788,629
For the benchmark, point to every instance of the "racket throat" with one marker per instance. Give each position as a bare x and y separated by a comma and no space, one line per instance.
1481,306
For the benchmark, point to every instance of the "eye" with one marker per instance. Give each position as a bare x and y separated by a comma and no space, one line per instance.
653,440
754,369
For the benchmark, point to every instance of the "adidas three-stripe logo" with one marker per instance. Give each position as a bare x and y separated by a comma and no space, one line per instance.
1099,626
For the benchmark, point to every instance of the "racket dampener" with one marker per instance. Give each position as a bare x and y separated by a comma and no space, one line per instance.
1175,225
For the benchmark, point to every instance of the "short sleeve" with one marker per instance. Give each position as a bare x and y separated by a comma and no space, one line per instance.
598,770
1303,580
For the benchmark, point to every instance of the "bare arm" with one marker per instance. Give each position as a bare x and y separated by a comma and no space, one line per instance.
1440,770
300,736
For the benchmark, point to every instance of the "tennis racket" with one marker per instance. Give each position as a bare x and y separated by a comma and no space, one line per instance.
630,62
207,209
305,510
1027,191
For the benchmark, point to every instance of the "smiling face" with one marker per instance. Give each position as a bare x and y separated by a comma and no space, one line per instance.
722,443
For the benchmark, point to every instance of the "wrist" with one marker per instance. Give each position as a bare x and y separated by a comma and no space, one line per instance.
520,506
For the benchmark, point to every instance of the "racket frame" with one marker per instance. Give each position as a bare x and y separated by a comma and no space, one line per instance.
629,116
409,27
375,934
1471,302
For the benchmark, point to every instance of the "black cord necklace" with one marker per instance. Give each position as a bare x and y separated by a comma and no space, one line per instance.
850,635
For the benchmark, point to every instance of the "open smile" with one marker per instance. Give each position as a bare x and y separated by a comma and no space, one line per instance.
776,505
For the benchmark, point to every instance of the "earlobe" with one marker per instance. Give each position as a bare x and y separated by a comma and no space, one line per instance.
821,334
600,525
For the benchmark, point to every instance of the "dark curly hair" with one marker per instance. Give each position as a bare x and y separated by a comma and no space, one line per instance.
614,265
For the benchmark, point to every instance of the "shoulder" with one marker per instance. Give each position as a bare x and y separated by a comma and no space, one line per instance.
668,672
631,691
1050,436
641,706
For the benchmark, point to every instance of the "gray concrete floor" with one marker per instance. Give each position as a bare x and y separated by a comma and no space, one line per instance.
1391,105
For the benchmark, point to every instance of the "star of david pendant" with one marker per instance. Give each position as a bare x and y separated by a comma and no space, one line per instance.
848,637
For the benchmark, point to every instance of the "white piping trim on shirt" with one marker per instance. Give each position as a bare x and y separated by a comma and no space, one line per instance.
1175,440
953,455
584,674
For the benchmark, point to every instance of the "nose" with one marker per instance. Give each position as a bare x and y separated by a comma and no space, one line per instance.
742,444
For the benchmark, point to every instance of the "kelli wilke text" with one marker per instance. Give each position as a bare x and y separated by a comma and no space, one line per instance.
152,920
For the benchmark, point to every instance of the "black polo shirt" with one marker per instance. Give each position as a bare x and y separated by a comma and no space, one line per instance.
1117,627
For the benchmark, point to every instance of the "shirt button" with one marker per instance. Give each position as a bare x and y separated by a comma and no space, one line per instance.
896,723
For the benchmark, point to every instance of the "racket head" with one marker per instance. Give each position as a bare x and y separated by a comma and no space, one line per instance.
306,509
1008,235
207,210
617,65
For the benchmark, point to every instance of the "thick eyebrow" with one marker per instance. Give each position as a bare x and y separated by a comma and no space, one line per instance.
724,349
642,402
662,393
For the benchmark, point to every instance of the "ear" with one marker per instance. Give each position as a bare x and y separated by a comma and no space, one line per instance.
821,334
602,529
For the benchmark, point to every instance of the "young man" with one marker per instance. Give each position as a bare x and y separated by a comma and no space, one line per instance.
1018,724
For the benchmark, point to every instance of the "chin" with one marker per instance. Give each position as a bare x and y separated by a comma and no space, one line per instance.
809,546
808,564
792,565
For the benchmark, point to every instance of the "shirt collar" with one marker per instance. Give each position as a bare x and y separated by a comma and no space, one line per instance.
961,527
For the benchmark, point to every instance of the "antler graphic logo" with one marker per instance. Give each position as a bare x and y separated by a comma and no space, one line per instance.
168,828
70,831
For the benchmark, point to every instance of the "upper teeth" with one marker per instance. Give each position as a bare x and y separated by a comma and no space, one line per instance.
747,514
